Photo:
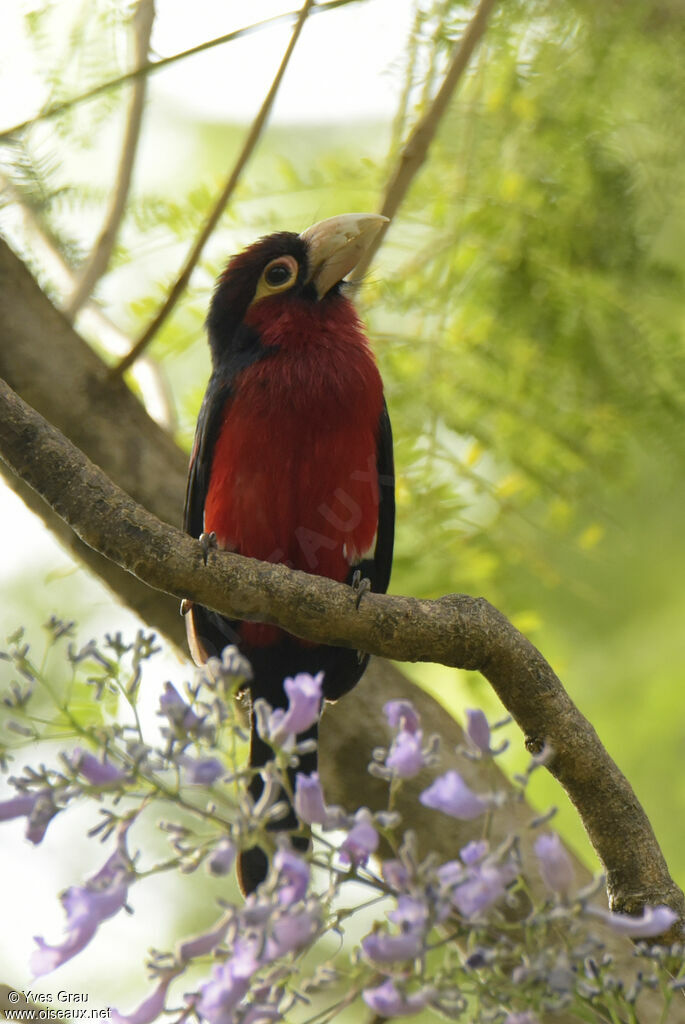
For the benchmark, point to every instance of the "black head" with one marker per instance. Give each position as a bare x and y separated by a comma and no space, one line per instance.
273,265
310,265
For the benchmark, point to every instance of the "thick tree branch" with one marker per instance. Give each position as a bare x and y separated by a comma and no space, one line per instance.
148,374
456,630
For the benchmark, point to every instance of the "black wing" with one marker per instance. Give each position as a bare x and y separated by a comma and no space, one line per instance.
230,360
378,568
206,433
208,633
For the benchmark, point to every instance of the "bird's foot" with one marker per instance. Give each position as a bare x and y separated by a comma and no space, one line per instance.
208,542
360,585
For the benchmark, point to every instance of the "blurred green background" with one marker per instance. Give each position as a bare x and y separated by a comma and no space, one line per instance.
528,313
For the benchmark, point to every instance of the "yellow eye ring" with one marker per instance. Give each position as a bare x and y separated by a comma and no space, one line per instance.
279,274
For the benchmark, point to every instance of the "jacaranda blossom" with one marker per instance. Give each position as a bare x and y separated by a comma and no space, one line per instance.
96,772
202,945
150,1008
39,809
310,805
304,708
86,907
293,876
474,851
220,860
478,730
382,948
405,757
388,1001
292,930
361,841
554,862
450,794
654,921
484,885
177,712
401,714
410,916
230,982
201,771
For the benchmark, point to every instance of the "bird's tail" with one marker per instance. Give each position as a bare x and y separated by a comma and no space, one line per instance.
253,863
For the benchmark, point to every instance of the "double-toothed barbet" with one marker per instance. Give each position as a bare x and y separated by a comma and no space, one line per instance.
292,460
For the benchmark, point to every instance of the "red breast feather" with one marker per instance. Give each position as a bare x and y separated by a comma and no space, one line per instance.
294,466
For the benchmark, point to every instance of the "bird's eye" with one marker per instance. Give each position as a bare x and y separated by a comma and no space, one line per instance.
280,273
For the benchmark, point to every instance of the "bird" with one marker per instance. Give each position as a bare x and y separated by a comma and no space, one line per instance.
292,460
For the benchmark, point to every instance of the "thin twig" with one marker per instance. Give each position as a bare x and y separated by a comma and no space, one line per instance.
96,265
456,630
217,210
416,148
164,62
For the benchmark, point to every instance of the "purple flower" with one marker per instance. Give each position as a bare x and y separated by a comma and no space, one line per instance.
554,862
39,808
17,806
310,805
388,1001
293,876
451,873
654,921
483,886
86,907
478,730
229,983
474,851
201,771
450,794
178,713
411,916
150,1008
221,859
309,800
521,1018
201,945
361,841
401,714
97,773
43,812
381,948
228,670
292,931
405,757
304,707
395,874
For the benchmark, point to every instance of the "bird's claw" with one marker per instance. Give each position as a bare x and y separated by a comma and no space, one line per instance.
186,605
208,543
360,585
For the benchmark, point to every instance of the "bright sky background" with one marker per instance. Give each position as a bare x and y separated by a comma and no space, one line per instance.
342,68
345,68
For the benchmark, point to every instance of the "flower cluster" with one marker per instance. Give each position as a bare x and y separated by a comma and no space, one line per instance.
484,935
87,906
271,928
